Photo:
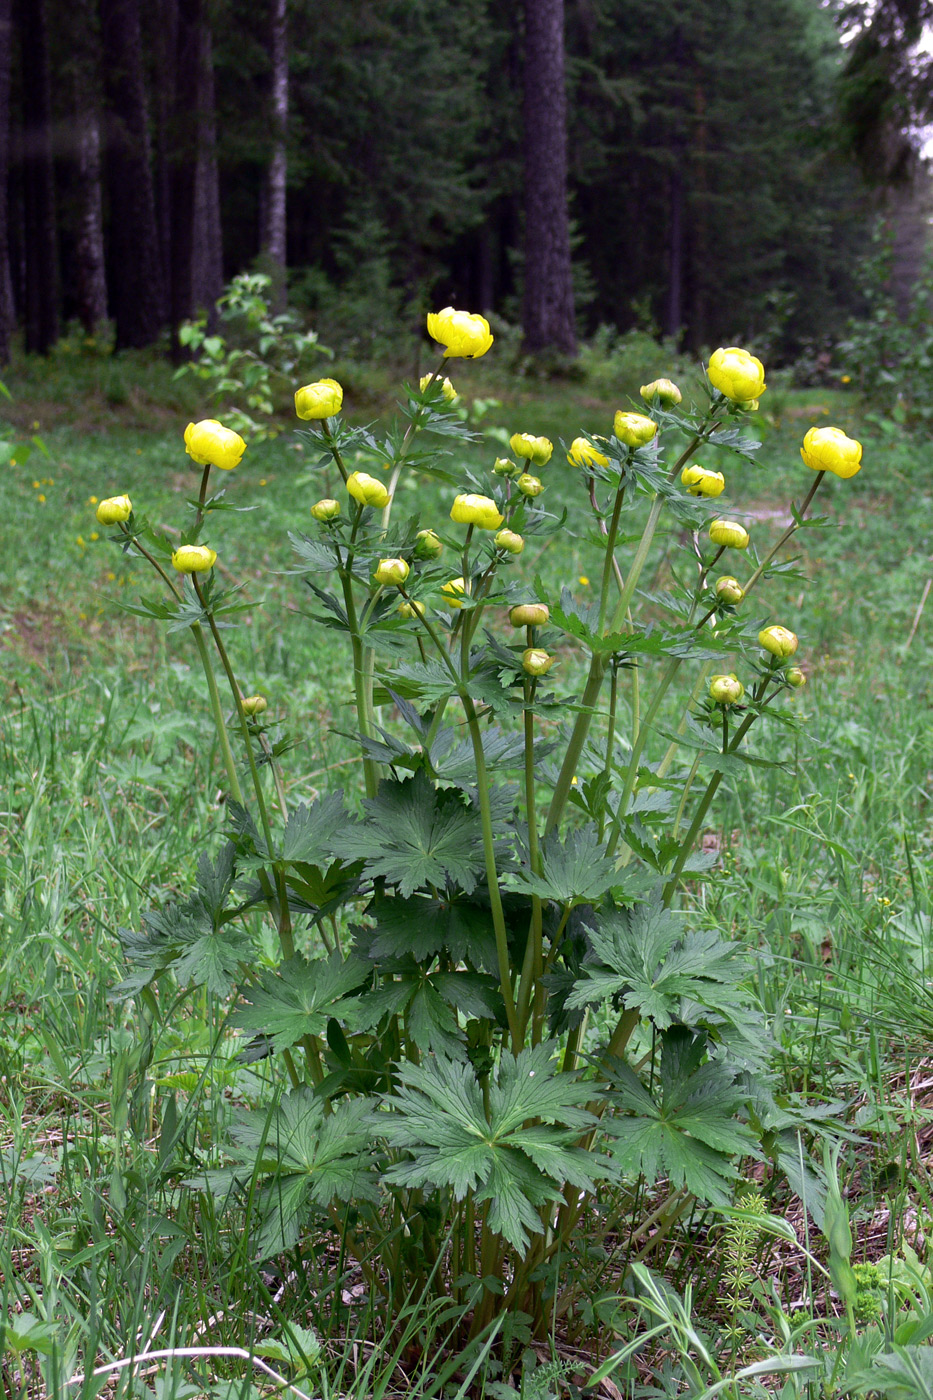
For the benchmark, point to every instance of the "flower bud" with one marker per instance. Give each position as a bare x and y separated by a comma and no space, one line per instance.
634,429
453,590
795,677
480,511
729,533
537,662
322,399
411,608
445,386
427,545
368,490
529,615
667,393
736,374
389,571
533,449
504,466
114,509
829,450
584,454
255,705
726,690
701,482
209,443
194,558
780,641
729,590
463,335
326,509
511,542
530,486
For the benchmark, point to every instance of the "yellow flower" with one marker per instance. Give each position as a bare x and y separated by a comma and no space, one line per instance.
368,490
737,374
94,535
209,443
795,677
511,542
584,580
726,690
451,591
729,533
81,541
480,511
666,392
634,429
41,498
529,615
410,609
780,641
325,509
537,662
445,386
533,449
530,486
829,450
427,545
584,454
114,509
322,399
699,481
194,558
255,705
391,571
846,379
729,590
464,336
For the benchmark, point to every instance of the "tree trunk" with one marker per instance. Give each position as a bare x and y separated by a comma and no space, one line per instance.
6,285
91,281
207,268
184,162
160,30
273,205
41,301
137,285
548,317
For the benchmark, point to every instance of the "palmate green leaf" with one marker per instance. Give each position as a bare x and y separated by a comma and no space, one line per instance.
311,833
414,836
691,1132
422,927
299,997
517,1159
573,871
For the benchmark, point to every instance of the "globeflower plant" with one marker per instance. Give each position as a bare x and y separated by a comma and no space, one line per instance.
486,1028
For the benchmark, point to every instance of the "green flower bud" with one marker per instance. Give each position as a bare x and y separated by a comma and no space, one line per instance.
634,429
664,391
326,509
255,705
368,490
726,690
729,590
411,608
529,615
511,542
533,449
537,662
114,509
194,558
389,571
504,466
529,485
427,545
729,533
795,677
780,641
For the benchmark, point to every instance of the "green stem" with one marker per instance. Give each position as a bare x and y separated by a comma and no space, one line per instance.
217,712
533,968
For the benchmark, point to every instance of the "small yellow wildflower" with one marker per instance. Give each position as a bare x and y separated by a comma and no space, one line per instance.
584,580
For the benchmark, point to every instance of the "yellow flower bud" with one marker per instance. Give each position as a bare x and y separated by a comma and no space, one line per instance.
529,615
326,509
780,641
368,490
480,511
726,690
667,393
533,449
737,374
584,454
729,590
795,677
390,571
530,486
255,705
194,558
729,533
537,662
634,429
504,466
322,399
114,509
411,609
445,386
511,542
829,450
209,443
452,591
701,482
463,335
427,545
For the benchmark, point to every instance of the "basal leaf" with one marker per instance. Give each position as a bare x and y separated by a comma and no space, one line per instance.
299,998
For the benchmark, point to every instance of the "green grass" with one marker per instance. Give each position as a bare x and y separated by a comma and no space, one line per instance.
109,786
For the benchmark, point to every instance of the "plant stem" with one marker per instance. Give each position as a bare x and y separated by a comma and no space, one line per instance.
530,983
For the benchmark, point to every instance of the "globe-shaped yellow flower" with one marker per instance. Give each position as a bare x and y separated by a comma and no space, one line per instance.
729,534
700,481
210,444
584,454
114,510
464,336
322,399
389,571
326,509
510,541
780,641
726,690
534,449
480,511
453,591
664,390
634,429
829,450
194,559
447,389
737,374
368,490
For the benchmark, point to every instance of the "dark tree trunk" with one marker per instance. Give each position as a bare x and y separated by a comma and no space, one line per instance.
6,285
41,250
160,31
185,162
136,281
207,269
273,204
90,277
675,290
548,316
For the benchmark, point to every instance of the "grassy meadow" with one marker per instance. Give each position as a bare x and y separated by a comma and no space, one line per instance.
110,785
